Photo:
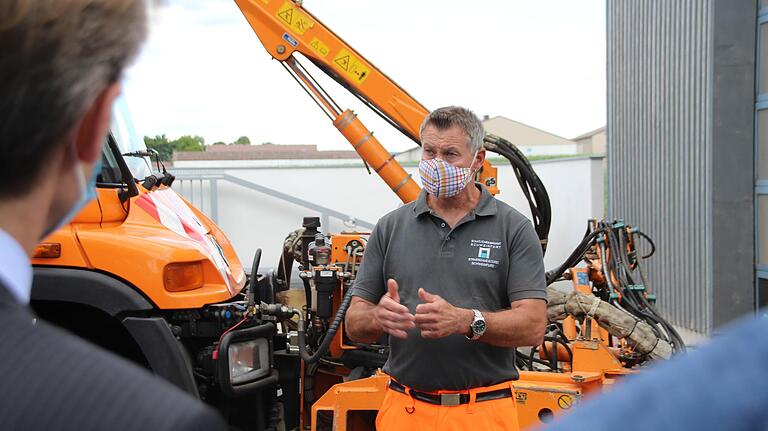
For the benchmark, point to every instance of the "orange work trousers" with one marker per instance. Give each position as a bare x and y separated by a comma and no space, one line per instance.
400,412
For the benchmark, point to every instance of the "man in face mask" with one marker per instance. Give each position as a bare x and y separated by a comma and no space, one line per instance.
456,279
60,63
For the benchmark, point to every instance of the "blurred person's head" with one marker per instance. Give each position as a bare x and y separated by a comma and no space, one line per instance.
60,66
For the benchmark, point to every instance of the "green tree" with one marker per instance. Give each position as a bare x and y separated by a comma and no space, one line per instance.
219,143
189,143
243,140
160,144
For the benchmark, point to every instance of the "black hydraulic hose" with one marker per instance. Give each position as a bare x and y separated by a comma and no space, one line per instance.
551,361
520,363
674,336
532,187
307,293
606,270
558,338
252,295
641,268
285,264
322,350
576,256
650,241
530,359
635,297
555,362
564,342
636,302
610,267
676,339
616,257
625,260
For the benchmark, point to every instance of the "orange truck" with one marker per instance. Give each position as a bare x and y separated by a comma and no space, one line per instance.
146,275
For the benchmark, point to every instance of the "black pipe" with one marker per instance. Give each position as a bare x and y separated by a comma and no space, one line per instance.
329,335
530,184
307,293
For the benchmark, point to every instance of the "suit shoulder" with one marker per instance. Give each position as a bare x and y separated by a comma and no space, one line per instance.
202,418
65,382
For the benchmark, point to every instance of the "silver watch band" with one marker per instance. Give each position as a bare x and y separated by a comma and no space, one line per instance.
472,335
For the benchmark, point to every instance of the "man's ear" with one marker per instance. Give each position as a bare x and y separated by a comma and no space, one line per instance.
480,159
95,123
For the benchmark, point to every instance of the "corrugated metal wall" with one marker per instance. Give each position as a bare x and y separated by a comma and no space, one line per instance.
659,79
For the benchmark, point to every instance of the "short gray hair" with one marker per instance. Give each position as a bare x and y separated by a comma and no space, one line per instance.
56,56
449,116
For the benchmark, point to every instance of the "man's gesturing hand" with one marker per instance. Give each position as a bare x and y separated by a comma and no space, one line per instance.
391,316
437,318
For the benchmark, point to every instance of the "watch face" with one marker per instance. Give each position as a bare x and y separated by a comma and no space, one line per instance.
478,326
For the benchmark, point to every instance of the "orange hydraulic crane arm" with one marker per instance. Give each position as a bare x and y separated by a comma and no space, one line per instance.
285,28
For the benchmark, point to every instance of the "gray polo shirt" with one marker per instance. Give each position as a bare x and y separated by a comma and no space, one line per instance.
490,259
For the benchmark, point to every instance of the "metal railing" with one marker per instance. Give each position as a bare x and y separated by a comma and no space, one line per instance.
198,184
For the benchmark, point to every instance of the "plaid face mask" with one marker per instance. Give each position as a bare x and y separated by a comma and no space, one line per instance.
442,179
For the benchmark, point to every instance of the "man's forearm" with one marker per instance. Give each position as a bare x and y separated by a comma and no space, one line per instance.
359,323
522,325
510,329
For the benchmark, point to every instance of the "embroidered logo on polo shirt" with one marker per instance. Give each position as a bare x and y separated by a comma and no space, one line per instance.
484,248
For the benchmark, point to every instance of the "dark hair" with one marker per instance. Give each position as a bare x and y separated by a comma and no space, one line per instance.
56,56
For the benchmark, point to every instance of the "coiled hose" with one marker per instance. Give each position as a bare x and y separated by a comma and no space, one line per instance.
530,184
322,350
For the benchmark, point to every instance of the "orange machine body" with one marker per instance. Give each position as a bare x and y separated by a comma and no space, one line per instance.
137,241
285,29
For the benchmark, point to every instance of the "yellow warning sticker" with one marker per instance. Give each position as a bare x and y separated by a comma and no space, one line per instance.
565,402
319,47
352,66
296,19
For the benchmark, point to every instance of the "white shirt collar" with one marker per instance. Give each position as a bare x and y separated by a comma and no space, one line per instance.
15,268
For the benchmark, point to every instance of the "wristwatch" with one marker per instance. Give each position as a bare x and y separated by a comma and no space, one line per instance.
477,327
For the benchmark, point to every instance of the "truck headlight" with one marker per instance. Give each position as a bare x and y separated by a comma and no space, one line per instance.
248,361
244,363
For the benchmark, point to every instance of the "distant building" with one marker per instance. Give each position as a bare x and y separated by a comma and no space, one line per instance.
264,155
592,142
530,140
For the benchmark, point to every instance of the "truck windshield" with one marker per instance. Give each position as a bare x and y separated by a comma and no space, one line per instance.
128,140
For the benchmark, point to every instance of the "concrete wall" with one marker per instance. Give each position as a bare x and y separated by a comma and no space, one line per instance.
286,163
550,150
252,219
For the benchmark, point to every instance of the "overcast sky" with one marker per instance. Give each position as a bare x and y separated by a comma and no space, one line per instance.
204,72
